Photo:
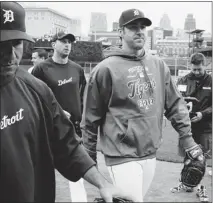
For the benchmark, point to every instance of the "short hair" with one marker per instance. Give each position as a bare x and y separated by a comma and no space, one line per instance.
197,59
41,53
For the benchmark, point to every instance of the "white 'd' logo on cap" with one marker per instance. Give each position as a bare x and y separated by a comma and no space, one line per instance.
136,12
8,15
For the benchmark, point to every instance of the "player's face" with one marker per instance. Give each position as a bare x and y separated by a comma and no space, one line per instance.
17,50
36,59
134,35
197,70
63,47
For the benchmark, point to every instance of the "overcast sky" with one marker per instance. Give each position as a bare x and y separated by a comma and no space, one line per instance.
177,11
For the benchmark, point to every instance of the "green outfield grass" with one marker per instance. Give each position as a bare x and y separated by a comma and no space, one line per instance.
169,150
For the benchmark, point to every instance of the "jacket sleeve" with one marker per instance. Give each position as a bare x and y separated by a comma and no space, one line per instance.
96,99
208,111
176,111
38,73
69,155
82,86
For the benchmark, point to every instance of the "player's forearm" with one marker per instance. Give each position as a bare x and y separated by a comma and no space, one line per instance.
94,177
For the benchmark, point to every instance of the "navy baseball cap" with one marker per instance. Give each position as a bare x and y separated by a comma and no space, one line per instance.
13,22
131,15
62,35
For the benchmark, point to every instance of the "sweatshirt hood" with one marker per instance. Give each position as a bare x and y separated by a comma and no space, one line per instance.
117,51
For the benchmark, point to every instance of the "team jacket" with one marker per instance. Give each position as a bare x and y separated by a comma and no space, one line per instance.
126,97
36,138
203,93
67,81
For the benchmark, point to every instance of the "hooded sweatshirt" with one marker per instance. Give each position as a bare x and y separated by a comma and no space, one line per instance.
126,96
36,138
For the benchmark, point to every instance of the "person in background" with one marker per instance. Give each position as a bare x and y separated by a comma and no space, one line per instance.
126,96
67,81
38,56
196,88
36,135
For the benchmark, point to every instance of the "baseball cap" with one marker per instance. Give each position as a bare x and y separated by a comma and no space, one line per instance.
61,35
13,22
130,15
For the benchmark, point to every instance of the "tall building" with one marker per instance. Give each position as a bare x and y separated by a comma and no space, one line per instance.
98,22
155,34
165,22
44,21
190,23
148,43
115,26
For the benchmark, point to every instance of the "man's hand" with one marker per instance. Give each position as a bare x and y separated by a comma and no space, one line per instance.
197,118
107,190
107,193
67,114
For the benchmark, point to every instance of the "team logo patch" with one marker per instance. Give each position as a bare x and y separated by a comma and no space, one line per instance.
8,16
136,12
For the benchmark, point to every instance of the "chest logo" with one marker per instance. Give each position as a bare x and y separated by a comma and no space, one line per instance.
62,82
5,121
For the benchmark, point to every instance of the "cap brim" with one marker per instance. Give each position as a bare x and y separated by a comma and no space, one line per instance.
71,37
14,34
145,21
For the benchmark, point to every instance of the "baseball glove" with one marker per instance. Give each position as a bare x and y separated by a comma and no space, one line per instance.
115,200
193,171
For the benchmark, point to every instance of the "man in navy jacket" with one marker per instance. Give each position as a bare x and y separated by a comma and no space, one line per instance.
36,135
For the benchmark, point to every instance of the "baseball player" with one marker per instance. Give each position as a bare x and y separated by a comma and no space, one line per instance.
67,81
126,96
36,135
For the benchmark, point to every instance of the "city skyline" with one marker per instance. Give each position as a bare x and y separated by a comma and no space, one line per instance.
154,10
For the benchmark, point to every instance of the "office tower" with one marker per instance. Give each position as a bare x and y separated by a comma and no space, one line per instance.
115,26
190,23
165,22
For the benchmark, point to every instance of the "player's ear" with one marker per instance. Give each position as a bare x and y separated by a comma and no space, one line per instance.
53,45
120,32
